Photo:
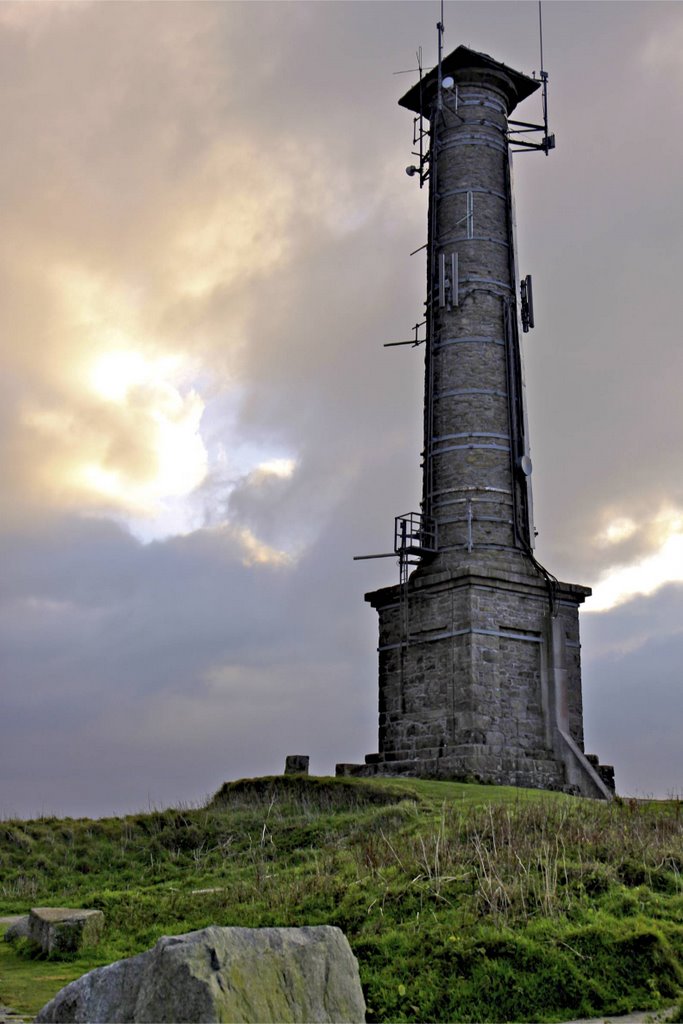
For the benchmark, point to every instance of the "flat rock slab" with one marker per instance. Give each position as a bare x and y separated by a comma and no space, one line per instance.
243,975
64,930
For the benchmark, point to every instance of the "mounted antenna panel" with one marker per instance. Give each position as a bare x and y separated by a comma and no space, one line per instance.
527,310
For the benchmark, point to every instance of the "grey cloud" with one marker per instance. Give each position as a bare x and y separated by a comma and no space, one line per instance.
203,661
633,697
124,124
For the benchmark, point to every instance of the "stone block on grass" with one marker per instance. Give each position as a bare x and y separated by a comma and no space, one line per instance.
296,764
64,930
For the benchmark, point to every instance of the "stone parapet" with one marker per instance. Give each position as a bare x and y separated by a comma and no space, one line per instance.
469,765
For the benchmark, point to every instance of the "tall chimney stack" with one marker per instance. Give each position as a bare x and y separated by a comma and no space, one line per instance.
479,653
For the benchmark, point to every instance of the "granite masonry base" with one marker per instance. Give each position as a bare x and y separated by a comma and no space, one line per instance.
480,680
476,765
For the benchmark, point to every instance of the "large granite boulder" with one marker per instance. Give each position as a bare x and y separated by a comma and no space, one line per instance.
222,974
63,930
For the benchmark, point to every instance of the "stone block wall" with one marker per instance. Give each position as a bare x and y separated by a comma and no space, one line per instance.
489,670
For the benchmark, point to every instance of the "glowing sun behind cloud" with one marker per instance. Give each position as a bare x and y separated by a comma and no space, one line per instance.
113,374
120,429
116,425
145,387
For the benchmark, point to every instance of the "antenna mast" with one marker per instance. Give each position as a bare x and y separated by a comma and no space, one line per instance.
525,127
440,30
544,79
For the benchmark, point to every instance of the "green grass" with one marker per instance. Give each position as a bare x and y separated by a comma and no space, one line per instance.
462,902
27,985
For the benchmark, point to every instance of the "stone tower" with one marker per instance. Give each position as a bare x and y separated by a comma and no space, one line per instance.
479,654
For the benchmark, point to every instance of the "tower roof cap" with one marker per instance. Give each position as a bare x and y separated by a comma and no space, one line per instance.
516,85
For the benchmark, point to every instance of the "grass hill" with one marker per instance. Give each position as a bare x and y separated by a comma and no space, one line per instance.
461,902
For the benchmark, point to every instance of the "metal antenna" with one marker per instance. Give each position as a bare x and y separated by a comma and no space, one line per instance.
524,127
440,30
544,79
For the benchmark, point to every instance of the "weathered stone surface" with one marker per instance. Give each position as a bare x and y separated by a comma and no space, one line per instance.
18,929
64,930
489,687
296,764
222,974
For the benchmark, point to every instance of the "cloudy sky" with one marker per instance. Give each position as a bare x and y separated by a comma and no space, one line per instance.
206,228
